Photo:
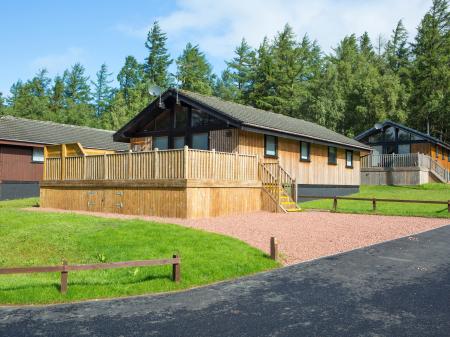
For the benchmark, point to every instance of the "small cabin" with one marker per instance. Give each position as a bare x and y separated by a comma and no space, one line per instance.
403,156
193,155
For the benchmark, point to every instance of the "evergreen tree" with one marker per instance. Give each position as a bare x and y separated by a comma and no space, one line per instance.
2,105
397,50
57,100
77,95
194,73
158,60
430,72
102,90
129,77
239,73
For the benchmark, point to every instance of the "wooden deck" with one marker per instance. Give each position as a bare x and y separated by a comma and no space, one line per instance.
181,183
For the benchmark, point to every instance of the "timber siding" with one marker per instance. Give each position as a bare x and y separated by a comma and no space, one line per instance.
317,171
16,164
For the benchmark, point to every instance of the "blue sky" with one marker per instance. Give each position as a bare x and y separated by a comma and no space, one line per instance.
57,34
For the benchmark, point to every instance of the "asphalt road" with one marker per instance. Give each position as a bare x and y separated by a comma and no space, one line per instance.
398,288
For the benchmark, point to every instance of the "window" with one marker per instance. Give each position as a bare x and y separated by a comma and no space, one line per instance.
178,142
332,155
38,155
161,143
270,146
304,151
403,135
389,134
348,158
180,117
200,141
437,152
199,118
443,154
404,148
376,138
161,122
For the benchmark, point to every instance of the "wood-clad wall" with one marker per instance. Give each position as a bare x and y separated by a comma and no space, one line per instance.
430,150
16,164
174,198
317,171
225,140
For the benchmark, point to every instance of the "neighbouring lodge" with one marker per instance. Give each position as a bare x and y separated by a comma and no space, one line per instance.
22,146
403,156
193,155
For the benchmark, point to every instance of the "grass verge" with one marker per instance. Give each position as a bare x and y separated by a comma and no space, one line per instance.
37,238
422,192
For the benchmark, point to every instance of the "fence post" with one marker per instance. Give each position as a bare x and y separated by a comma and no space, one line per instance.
186,161
64,275
273,248
63,161
236,165
130,169
84,167
448,206
214,165
374,204
156,161
335,203
105,167
176,272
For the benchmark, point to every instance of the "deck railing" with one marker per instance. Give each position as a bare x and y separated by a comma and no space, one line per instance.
405,160
163,164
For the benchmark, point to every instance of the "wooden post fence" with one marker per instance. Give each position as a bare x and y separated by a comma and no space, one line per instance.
335,203
273,248
65,268
374,204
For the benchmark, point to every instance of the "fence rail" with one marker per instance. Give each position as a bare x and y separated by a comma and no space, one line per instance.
65,268
164,164
375,200
405,160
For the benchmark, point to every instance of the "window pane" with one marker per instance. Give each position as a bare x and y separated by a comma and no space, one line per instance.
38,155
403,135
199,118
378,137
161,122
200,141
332,155
304,151
404,148
161,143
349,158
178,142
271,146
389,134
180,117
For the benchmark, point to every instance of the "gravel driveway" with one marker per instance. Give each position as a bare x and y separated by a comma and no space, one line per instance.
301,236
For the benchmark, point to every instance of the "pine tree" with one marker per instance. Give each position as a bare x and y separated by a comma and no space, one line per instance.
76,85
77,95
430,72
194,73
102,90
129,77
397,50
2,105
158,60
57,100
239,73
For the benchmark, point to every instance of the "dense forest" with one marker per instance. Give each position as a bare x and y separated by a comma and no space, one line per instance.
358,84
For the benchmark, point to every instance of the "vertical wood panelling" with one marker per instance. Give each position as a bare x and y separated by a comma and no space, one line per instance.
225,140
16,164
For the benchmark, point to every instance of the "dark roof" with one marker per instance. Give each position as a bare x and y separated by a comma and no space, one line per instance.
49,133
387,123
257,120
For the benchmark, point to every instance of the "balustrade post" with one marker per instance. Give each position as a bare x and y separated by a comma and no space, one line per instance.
156,162
186,162
214,164
105,167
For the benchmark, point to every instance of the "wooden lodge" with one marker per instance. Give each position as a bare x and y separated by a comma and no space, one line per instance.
403,156
198,156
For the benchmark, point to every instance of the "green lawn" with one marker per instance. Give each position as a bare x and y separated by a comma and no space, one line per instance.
36,238
422,192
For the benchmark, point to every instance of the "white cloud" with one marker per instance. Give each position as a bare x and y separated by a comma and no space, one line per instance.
57,63
218,26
